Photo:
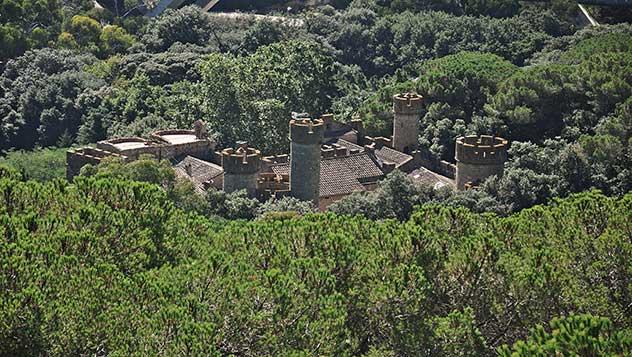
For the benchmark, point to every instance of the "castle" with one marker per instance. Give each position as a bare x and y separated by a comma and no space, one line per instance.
328,160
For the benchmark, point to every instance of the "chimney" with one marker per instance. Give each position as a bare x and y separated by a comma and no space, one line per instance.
199,128
383,141
328,119
327,152
188,169
388,167
341,151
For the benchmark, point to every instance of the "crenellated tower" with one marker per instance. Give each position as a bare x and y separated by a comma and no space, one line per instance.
479,157
306,137
408,109
241,168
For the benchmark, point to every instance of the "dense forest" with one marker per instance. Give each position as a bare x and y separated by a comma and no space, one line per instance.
129,260
521,70
108,266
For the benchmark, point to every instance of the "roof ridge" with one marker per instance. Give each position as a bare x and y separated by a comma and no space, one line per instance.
343,157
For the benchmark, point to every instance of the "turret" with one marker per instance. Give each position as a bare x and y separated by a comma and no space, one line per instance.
408,109
306,136
479,157
241,168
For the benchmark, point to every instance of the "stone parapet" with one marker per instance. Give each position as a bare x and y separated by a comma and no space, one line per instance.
78,158
408,104
481,150
273,183
241,168
241,160
307,131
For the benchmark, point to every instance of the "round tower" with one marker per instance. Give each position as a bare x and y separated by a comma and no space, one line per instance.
479,157
241,168
306,137
408,109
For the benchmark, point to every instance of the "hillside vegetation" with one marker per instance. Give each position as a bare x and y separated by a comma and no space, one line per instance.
127,260
105,266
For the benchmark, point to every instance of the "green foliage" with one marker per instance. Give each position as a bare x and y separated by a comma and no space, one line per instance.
458,335
104,265
464,80
607,78
145,169
395,197
495,8
251,98
264,33
88,34
115,39
401,41
9,172
26,24
277,207
581,335
39,91
235,205
533,102
609,42
38,165
85,30
186,25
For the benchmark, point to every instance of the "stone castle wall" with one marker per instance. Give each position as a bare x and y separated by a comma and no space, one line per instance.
131,148
78,158
202,150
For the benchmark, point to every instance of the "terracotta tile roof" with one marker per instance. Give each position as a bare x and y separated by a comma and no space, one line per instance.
385,153
342,174
391,155
425,176
198,172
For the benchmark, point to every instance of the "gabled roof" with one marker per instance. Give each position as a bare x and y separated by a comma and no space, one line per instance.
197,171
424,176
384,153
341,175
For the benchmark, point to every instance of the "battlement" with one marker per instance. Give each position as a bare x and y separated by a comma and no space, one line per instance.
481,150
93,153
379,141
408,103
276,159
241,160
78,158
273,183
327,151
307,131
